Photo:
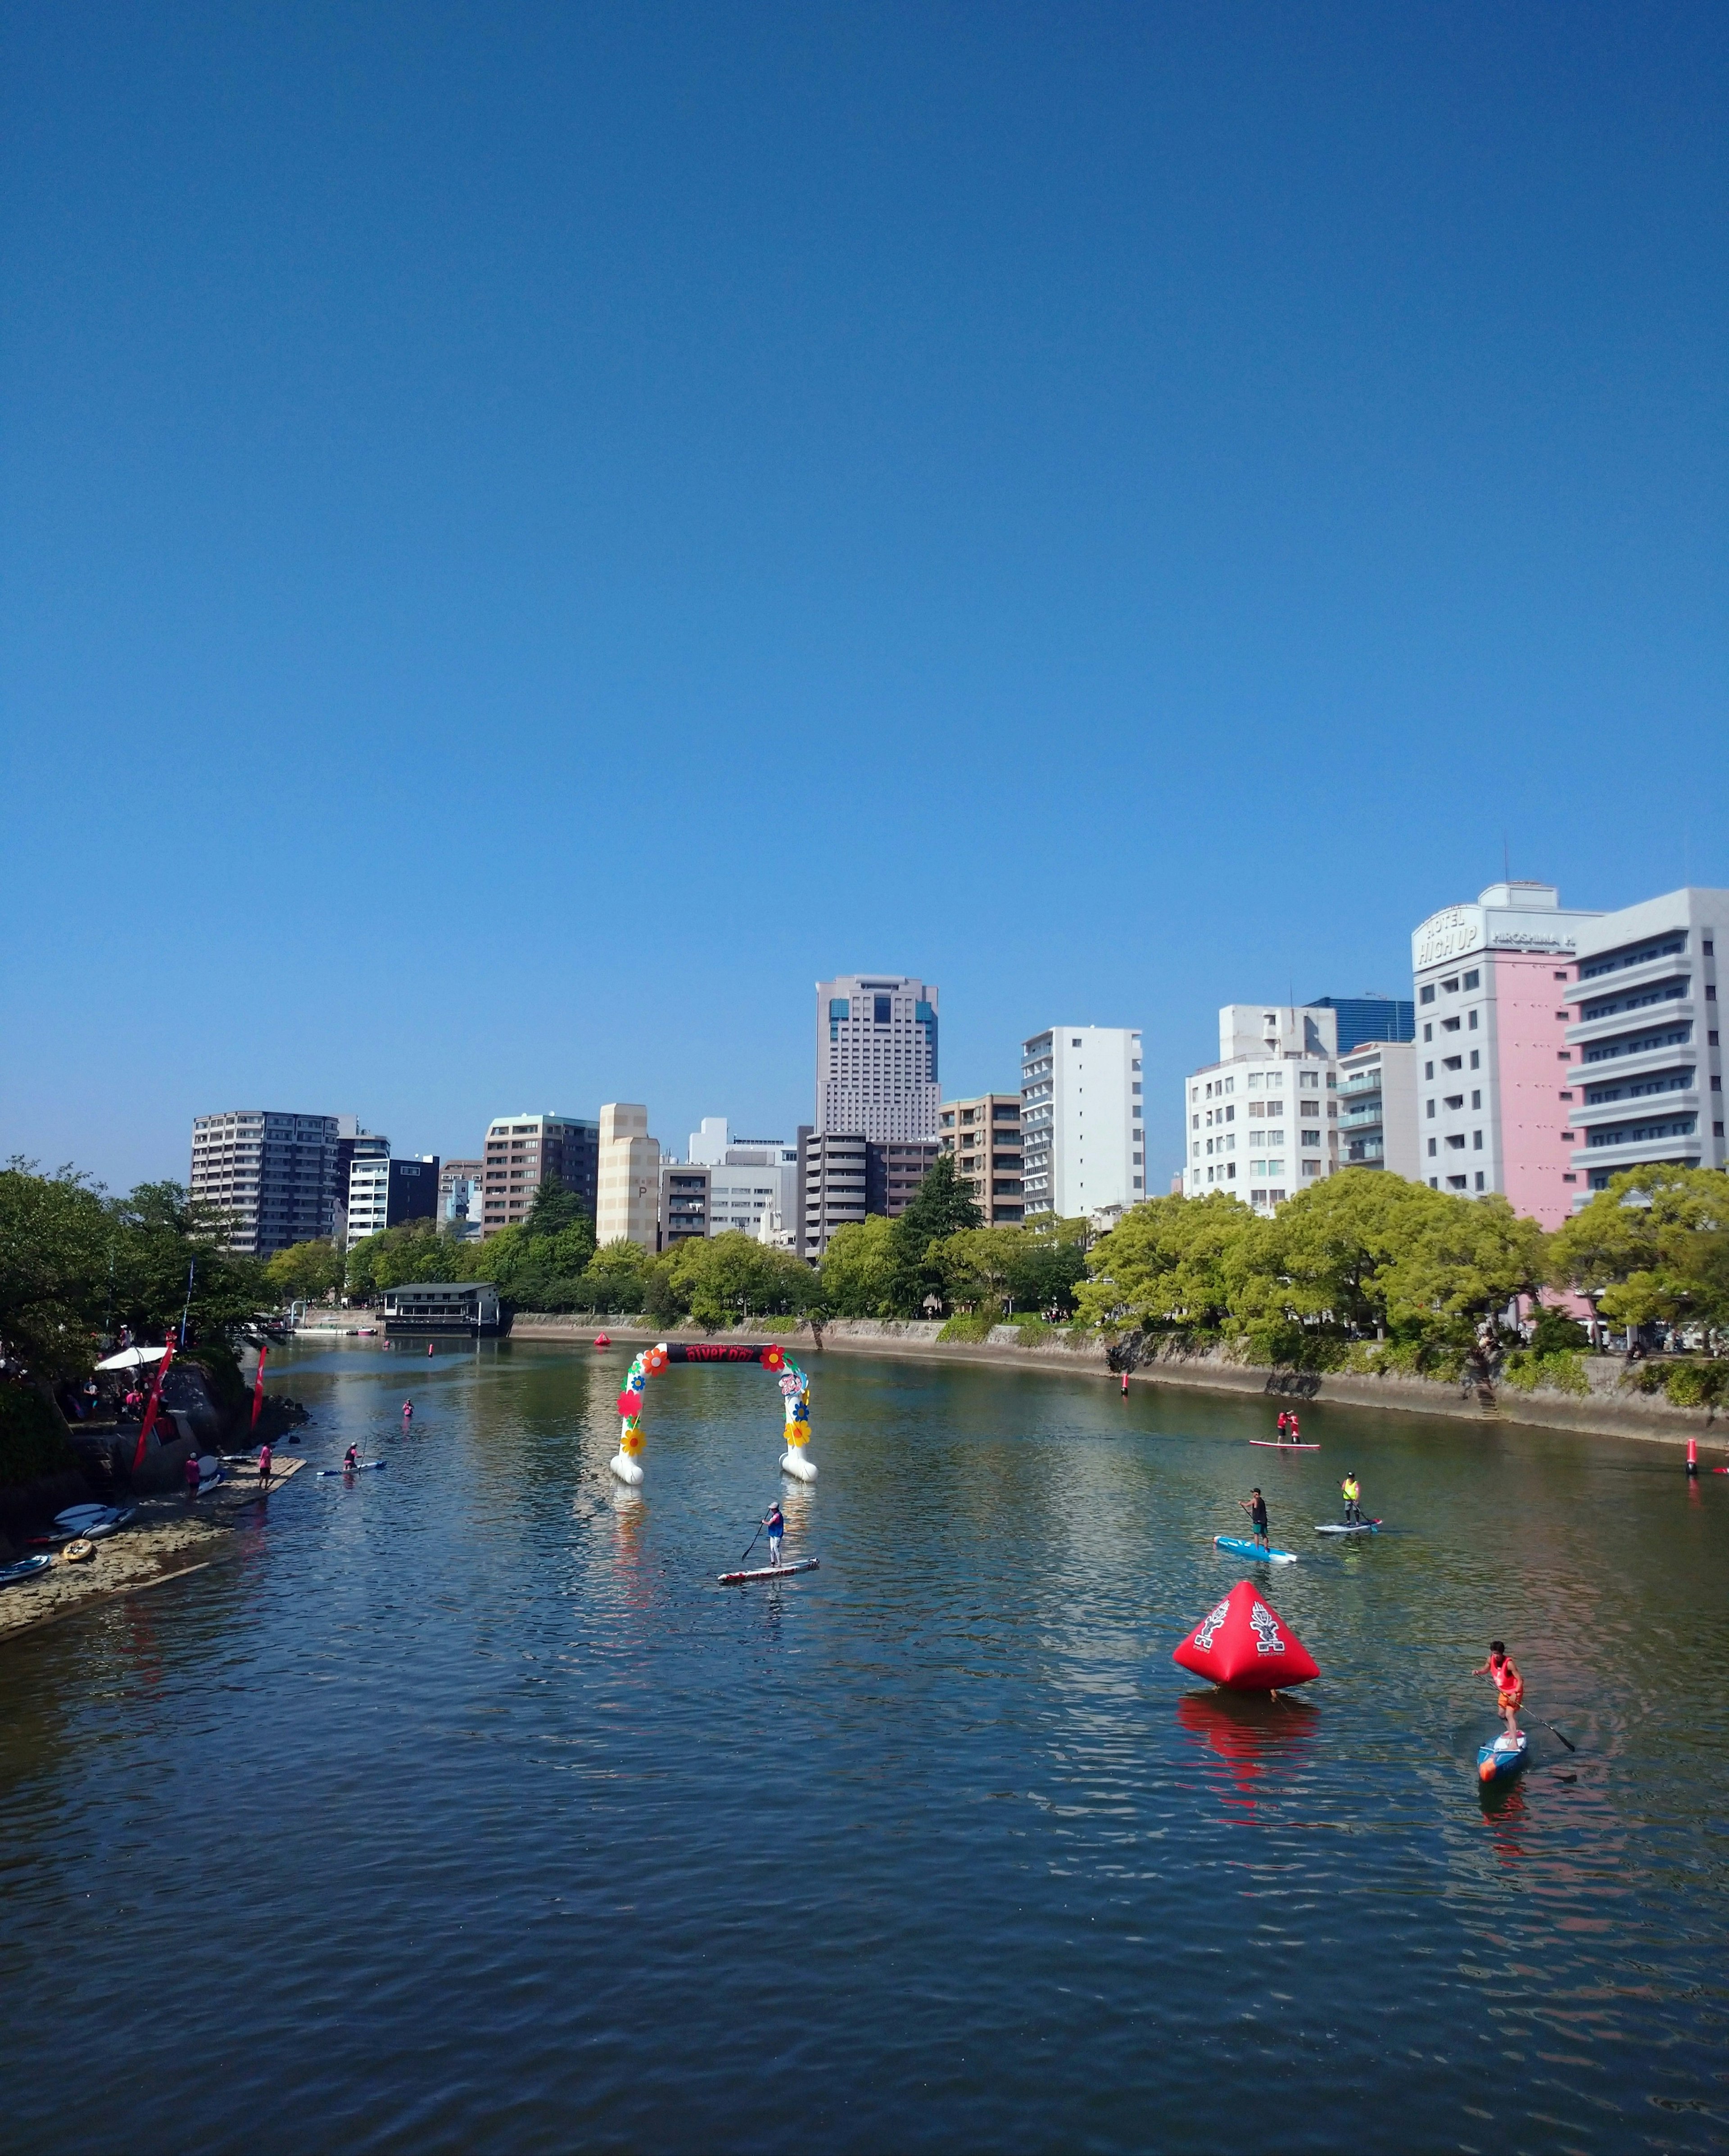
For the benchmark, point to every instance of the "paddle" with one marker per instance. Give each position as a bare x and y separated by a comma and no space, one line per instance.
1550,1728
751,1543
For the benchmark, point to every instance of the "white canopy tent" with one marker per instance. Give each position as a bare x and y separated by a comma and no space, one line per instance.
131,1358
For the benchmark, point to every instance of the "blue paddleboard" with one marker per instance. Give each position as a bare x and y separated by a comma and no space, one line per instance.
1238,1547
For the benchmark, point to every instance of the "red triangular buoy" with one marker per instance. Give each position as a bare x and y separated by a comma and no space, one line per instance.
1245,1643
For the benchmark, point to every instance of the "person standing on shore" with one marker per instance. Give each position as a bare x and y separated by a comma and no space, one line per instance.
190,1471
1509,1685
263,1463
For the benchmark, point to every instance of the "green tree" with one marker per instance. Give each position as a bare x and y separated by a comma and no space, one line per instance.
722,1278
56,1237
1164,1265
554,1208
941,1206
857,1268
979,1267
305,1272
1653,1248
1467,1261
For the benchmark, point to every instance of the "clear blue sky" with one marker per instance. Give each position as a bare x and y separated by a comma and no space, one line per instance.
530,534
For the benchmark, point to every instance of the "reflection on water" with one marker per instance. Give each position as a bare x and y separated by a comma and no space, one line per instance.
492,1822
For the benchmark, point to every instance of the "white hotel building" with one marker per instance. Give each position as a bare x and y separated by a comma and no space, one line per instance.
876,1058
1645,1045
1263,1121
1082,1134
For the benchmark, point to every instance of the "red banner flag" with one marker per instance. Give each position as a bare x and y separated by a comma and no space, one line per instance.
257,1390
153,1403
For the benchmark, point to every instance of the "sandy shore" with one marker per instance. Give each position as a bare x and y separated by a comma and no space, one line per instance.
169,1538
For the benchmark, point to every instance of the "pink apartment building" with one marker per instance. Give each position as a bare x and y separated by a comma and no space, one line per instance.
1495,1077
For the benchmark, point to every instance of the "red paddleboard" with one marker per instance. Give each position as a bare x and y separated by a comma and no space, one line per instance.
1283,1445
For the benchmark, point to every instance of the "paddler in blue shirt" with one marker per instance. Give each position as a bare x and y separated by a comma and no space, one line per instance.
777,1527
1256,1507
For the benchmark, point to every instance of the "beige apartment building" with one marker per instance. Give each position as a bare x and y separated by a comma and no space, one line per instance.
984,1136
628,1184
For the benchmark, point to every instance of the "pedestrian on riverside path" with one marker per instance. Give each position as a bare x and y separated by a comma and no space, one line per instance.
190,1471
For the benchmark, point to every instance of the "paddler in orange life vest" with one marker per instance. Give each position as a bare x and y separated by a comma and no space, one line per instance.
1509,1685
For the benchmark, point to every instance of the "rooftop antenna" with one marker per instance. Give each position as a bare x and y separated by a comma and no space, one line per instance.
1506,860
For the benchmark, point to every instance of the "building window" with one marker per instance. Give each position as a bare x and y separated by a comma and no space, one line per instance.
1477,1098
1480,1179
1476,1141
1431,1148
1477,1059
1473,979
1431,1112
1474,1020
1427,996
1429,1032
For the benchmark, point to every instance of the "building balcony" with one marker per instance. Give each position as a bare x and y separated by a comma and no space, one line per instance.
1647,1063
1364,1119
1646,1108
1659,1016
1595,1162
1365,1153
1627,979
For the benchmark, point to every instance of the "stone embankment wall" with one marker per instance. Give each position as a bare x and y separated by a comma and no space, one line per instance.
1606,1408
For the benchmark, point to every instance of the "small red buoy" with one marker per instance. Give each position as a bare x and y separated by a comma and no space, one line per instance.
601,1340
429,1347
1692,1455
1245,1644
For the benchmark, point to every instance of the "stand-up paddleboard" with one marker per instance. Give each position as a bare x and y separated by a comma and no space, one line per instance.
769,1571
1358,1528
1283,1445
26,1567
1238,1546
1501,1760
355,1470
74,1515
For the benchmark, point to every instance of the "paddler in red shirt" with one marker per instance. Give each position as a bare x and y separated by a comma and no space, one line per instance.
1509,1685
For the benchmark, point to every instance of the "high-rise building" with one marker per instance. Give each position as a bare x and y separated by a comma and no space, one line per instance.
1644,1082
1492,984
836,1179
522,1151
274,1174
984,1136
383,1193
462,1187
876,1058
628,1203
684,1215
369,1152
1377,1108
1083,1139
1368,1016
1263,1121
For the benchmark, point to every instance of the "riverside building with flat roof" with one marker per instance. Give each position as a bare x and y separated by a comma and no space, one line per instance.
877,1071
272,1173
1263,1121
1646,1071
1377,1108
984,1136
383,1193
1495,1065
1082,1133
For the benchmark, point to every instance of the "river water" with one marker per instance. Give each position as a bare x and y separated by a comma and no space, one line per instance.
463,1811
